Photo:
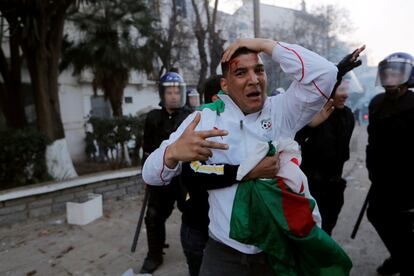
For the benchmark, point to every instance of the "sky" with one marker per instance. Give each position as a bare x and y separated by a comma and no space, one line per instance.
382,25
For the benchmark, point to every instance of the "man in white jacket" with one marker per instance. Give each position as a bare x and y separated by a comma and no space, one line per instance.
226,130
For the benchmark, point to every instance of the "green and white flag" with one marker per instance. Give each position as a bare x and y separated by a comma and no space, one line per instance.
268,214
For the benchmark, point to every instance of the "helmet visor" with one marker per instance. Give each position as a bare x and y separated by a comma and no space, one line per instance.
393,73
173,94
193,98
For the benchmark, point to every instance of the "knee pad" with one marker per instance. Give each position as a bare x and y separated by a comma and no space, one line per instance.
153,217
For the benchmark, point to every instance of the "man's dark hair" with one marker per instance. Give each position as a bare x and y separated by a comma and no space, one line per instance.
211,87
238,52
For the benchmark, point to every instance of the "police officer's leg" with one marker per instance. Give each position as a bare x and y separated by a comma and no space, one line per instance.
394,232
168,200
154,226
406,242
159,208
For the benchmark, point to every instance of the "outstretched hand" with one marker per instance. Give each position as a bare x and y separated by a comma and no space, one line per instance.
324,114
350,62
193,145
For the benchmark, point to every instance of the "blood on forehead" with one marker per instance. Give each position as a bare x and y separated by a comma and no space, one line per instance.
234,63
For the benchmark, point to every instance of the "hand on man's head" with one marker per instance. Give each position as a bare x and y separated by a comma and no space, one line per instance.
255,44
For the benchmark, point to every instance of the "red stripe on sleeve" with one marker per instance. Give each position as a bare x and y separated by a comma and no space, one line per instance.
163,165
320,91
300,58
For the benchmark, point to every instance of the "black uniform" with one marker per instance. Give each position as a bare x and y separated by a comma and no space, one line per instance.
390,153
159,125
325,149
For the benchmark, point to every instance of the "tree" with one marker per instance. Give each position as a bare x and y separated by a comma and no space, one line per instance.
169,41
200,34
111,43
335,21
317,31
36,28
11,98
215,42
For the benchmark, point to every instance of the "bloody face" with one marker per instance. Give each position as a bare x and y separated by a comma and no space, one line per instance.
246,82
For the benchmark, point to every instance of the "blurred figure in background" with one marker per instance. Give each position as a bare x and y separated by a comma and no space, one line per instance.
325,147
193,99
211,88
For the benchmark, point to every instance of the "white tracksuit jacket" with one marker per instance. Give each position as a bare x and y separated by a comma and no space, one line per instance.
281,117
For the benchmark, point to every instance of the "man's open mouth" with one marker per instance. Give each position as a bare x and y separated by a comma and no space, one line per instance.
253,94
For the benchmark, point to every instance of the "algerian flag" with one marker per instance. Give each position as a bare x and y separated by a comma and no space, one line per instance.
268,214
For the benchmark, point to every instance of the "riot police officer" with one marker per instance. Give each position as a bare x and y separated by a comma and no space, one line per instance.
390,151
159,124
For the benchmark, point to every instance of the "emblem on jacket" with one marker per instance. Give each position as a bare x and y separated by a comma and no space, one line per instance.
266,124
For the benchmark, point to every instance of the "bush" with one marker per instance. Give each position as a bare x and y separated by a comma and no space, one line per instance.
108,137
22,157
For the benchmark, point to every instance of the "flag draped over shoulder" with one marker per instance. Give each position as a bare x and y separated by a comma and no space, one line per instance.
268,214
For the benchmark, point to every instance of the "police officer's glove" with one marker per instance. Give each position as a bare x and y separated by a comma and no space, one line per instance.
348,63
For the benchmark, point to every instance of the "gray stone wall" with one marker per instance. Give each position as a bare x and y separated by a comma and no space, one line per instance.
20,209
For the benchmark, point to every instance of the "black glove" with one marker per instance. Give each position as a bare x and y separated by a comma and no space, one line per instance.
346,65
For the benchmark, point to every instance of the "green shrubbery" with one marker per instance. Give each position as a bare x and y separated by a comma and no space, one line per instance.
109,138
22,157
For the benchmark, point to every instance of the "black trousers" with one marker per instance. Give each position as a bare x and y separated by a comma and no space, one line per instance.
222,260
329,196
160,206
193,242
395,226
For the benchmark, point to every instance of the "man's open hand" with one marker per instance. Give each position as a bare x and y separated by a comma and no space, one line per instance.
193,145
324,114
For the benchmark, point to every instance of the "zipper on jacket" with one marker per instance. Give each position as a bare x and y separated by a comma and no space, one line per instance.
244,137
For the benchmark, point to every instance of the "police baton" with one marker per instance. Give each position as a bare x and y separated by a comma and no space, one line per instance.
361,214
141,218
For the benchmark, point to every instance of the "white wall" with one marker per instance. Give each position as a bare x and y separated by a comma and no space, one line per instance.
75,103
72,107
144,98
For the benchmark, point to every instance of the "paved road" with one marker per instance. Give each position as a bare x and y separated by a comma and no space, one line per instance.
52,247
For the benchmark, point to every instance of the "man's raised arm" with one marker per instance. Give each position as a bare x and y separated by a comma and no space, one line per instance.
304,65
